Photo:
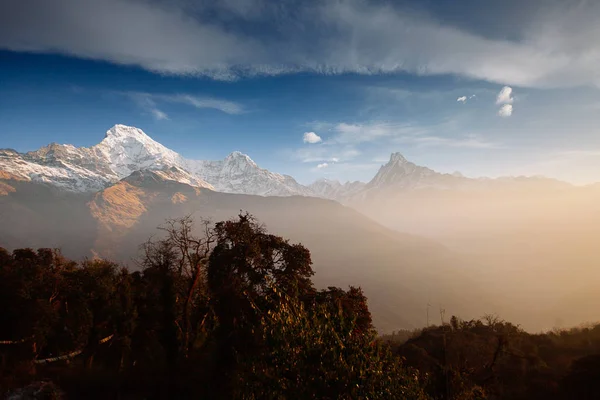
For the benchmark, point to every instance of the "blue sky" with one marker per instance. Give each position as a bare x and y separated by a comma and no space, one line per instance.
487,88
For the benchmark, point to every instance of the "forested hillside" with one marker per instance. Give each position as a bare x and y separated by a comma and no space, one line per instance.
228,310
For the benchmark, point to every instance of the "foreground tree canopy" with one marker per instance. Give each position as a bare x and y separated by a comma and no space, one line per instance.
228,311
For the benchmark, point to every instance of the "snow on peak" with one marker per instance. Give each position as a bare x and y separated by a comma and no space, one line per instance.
120,130
240,159
126,149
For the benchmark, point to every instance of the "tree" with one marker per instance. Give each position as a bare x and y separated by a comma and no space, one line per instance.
246,268
583,380
178,263
320,354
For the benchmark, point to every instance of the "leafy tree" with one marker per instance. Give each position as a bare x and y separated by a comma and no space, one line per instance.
245,267
320,354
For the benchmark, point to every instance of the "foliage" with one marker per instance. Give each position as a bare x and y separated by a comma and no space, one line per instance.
320,353
228,310
494,358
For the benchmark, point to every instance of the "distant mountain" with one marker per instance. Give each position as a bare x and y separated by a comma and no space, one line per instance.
399,272
403,174
125,150
335,190
399,176
239,174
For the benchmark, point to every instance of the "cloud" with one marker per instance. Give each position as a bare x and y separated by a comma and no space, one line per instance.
505,111
148,102
311,137
465,141
554,49
159,115
228,107
355,133
323,165
463,99
504,97
328,154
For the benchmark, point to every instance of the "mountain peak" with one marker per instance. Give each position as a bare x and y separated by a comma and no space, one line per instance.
397,158
399,172
238,157
122,131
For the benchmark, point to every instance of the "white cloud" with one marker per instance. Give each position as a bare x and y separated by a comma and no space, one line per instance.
505,111
462,99
159,115
504,97
311,137
329,154
228,107
323,165
147,101
556,49
472,96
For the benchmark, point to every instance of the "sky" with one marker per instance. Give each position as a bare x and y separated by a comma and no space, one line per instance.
314,89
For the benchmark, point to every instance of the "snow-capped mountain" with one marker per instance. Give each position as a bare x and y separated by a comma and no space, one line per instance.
125,150
237,173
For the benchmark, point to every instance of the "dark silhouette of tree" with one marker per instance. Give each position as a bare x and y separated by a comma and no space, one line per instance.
246,268
583,380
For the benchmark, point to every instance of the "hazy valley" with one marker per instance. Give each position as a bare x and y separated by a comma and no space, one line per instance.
519,247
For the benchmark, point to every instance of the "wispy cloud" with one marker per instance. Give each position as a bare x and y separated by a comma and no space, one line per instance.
311,137
323,165
328,154
356,133
464,99
159,115
228,107
437,141
148,102
557,47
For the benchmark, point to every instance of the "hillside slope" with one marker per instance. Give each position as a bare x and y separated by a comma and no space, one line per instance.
400,273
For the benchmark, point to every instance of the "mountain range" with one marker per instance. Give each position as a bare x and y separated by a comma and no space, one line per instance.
347,248
410,236
126,149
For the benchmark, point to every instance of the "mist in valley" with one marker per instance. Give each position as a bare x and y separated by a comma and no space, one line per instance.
526,255
532,252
